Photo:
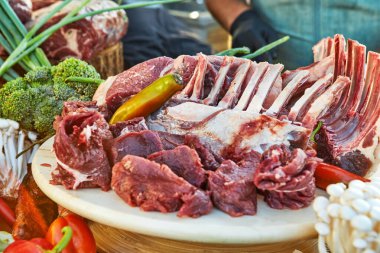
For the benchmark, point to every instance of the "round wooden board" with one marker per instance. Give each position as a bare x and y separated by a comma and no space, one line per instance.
112,240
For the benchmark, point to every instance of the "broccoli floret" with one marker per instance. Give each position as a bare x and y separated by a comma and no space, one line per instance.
8,89
64,92
22,104
72,67
38,77
19,106
45,113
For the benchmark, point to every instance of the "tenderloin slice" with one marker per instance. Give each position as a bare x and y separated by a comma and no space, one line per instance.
79,148
141,143
287,177
232,189
154,187
184,162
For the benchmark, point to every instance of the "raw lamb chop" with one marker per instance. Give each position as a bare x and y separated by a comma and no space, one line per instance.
154,187
184,162
79,148
224,130
286,177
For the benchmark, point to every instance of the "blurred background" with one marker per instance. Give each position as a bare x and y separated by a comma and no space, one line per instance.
195,14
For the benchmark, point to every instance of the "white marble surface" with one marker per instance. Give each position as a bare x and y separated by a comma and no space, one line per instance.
268,226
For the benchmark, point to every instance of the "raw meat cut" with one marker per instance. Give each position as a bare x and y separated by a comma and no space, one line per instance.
38,4
141,144
85,38
154,187
232,188
134,125
223,129
119,89
209,160
22,8
184,162
79,148
286,177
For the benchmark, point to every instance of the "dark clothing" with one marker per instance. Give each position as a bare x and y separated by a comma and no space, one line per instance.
154,32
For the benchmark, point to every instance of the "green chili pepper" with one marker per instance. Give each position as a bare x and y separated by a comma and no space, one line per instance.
149,99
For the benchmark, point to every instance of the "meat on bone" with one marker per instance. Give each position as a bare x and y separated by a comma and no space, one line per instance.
223,128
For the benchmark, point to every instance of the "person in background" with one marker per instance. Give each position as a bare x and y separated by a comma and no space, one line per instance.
153,32
306,21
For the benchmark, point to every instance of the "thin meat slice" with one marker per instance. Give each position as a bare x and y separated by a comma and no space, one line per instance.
141,143
322,104
265,85
232,189
154,187
254,80
288,92
134,125
287,177
299,109
184,162
233,93
79,148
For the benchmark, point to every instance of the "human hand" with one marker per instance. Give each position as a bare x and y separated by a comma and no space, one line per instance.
249,30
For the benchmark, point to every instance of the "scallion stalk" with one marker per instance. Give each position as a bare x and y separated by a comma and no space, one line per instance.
26,47
266,48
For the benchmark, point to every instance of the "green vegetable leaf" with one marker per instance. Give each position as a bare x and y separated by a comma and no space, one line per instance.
315,131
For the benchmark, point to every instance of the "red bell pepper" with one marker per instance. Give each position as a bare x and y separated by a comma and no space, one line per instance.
83,240
7,213
41,245
326,174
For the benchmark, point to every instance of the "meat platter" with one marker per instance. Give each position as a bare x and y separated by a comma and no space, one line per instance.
269,226
236,136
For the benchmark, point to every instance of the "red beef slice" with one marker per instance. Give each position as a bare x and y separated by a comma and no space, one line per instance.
79,148
154,187
141,144
184,162
232,189
287,177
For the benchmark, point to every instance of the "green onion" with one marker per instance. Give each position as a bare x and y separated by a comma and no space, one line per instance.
234,51
25,48
17,29
266,48
315,131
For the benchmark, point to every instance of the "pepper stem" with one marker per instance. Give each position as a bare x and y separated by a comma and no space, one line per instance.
61,245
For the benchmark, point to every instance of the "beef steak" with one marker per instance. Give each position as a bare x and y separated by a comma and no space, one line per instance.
184,162
232,189
154,187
